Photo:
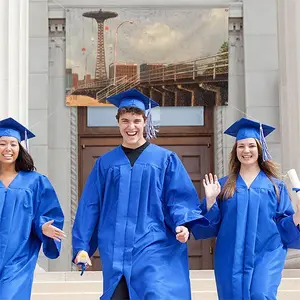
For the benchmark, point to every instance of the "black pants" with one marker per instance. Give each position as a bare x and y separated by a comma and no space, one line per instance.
121,291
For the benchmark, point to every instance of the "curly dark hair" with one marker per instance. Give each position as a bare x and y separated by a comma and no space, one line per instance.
24,161
130,109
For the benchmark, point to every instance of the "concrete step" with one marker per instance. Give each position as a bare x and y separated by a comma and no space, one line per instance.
70,285
96,276
200,295
197,284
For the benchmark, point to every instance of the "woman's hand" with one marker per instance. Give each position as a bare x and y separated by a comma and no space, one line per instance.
212,189
296,216
53,232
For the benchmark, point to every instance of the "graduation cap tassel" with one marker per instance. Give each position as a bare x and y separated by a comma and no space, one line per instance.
26,140
265,152
150,129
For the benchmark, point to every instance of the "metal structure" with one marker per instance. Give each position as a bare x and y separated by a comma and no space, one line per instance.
116,45
100,17
205,73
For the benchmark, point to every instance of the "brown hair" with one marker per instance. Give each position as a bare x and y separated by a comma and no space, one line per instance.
269,167
130,109
24,161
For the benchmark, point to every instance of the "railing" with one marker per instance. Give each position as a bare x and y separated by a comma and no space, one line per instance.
121,86
190,69
71,91
96,83
209,66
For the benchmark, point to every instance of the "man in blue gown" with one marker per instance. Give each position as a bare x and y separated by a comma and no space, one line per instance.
136,198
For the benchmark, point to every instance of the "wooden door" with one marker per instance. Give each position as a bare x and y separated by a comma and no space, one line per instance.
197,156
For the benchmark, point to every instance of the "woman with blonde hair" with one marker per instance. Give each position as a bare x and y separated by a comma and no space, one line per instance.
252,217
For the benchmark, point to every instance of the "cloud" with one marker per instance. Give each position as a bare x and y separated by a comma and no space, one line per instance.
157,36
156,40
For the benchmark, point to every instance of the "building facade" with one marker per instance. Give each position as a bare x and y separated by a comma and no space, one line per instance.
264,72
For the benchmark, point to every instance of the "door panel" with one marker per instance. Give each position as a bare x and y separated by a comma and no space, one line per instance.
197,161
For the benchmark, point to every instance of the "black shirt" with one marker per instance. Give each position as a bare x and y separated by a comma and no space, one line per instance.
133,154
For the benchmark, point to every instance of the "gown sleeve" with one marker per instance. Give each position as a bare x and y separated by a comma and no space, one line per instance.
48,209
85,228
181,198
290,233
214,218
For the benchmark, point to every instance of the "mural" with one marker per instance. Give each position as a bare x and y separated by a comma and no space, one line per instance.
177,56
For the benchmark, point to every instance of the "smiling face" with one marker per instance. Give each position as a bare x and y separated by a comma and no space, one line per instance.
132,129
9,149
247,151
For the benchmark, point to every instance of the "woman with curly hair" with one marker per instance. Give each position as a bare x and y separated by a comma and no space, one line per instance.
252,216
30,214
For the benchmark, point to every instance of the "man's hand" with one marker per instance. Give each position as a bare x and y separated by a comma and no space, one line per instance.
83,257
53,232
182,234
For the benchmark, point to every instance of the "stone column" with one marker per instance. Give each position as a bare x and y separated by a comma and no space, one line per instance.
289,91
14,54
14,59
236,85
23,95
3,57
60,143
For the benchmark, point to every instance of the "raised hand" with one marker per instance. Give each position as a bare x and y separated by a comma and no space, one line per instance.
212,189
182,234
53,232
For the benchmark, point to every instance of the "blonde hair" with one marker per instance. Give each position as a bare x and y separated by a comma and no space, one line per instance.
270,168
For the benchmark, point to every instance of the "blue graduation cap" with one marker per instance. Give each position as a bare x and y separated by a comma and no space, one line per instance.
245,128
10,127
134,98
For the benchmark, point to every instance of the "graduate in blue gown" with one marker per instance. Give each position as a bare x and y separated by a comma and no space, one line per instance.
136,207
30,214
251,215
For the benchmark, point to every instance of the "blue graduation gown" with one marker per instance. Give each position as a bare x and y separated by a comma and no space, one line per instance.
25,206
131,214
253,233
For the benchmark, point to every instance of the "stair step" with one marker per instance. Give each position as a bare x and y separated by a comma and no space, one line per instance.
70,285
282,295
198,284
96,276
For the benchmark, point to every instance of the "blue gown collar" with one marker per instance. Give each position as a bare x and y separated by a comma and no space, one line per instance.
140,159
258,182
13,183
